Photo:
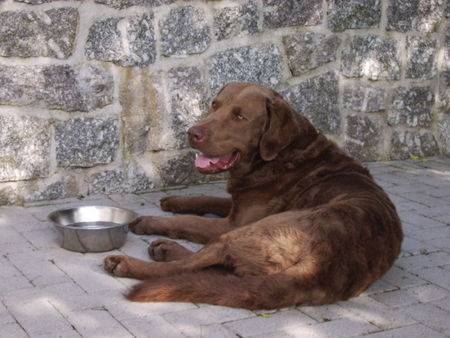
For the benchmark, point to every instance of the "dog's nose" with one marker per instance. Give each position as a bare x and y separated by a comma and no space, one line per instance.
196,134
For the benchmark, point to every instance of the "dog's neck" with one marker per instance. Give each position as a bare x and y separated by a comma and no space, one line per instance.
257,172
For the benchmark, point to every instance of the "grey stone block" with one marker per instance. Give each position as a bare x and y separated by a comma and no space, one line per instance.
36,2
283,13
184,31
9,196
411,107
372,56
443,136
24,148
317,99
406,144
421,53
363,138
65,87
233,21
122,4
126,41
146,121
364,99
419,15
306,51
189,100
41,33
37,191
86,142
351,14
119,180
247,64
177,168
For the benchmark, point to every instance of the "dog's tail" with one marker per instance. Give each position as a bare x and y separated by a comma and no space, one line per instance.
251,292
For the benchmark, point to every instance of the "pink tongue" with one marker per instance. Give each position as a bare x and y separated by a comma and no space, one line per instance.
203,162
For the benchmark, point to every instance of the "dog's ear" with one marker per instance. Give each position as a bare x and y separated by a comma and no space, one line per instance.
281,128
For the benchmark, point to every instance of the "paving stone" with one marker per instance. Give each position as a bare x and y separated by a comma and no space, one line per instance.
37,269
378,287
282,13
336,328
156,326
317,99
353,14
415,247
13,330
441,284
418,15
307,51
324,313
245,64
418,262
92,323
376,313
48,33
371,56
96,280
430,315
288,320
37,316
236,21
411,331
86,141
429,234
184,31
396,298
193,322
443,304
126,41
419,220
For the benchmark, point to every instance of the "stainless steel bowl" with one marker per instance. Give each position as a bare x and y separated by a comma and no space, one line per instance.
92,228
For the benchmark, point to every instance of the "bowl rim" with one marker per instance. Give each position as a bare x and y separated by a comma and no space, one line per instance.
116,225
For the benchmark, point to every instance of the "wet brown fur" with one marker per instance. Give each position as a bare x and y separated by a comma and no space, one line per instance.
306,223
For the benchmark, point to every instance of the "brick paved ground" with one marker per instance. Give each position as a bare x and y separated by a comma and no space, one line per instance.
46,291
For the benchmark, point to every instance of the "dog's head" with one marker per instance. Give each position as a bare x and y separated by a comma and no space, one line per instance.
247,123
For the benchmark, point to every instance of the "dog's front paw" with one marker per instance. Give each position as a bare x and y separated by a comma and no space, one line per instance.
117,265
170,203
142,225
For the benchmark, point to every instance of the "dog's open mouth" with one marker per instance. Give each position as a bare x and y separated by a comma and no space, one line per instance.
214,165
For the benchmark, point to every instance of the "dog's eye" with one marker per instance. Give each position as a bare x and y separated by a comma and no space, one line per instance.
214,105
238,114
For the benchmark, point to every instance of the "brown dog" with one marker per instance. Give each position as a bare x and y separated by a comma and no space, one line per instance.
306,223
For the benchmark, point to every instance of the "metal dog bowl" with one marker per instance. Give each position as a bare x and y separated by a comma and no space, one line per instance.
92,228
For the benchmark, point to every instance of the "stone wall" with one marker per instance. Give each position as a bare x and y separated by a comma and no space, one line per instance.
96,95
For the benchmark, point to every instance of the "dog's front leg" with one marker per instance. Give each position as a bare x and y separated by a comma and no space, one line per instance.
194,228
